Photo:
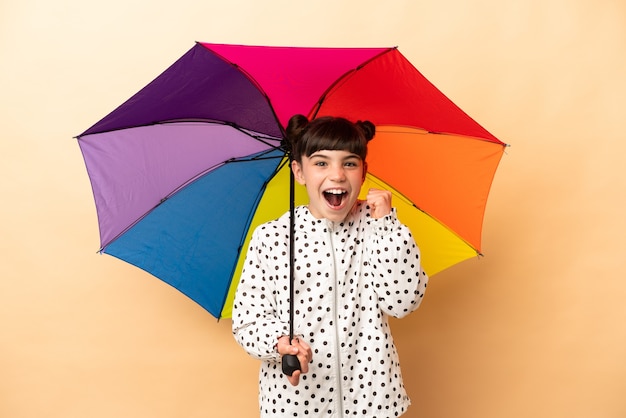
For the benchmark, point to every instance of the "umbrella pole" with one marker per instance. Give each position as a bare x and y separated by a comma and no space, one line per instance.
290,362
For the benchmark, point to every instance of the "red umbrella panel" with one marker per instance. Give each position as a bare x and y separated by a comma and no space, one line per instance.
184,170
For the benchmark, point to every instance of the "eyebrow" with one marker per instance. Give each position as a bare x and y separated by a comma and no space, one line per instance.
317,154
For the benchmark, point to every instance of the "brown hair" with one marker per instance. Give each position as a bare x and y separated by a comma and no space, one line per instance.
327,133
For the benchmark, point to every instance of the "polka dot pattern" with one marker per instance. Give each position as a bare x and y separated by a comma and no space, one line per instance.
349,277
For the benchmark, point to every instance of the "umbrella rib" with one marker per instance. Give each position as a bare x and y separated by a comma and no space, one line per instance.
251,213
257,157
317,106
415,130
250,133
252,80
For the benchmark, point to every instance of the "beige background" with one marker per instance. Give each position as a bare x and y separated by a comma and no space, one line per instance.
537,328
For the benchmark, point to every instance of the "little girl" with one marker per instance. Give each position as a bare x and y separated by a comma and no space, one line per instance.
355,264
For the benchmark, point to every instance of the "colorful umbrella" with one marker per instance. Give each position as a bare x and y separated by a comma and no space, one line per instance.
184,170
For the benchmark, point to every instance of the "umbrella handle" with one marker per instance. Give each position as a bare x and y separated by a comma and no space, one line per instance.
290,364
290,361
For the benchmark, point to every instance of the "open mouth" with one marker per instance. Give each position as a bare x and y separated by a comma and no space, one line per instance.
335,197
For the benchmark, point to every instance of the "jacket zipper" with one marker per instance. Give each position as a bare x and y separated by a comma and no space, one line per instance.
336,317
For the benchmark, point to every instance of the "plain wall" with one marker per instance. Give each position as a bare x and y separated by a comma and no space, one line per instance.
536,328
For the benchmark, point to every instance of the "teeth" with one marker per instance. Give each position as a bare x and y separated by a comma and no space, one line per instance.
335,191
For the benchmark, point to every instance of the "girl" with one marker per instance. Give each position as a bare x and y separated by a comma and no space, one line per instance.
355,264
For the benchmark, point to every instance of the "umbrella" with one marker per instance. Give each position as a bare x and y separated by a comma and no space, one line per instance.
184,170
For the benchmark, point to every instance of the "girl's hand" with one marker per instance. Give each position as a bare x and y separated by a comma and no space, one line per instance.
301,350
380,202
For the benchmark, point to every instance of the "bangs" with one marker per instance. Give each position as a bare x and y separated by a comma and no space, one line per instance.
335,136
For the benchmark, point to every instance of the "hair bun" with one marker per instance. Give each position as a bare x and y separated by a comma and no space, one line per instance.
368,128
294,131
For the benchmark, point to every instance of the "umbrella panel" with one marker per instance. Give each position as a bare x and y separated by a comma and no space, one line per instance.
198,86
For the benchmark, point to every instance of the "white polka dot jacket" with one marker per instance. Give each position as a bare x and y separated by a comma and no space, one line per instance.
349,277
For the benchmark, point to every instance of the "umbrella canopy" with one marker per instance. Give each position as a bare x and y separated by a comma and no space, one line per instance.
184,170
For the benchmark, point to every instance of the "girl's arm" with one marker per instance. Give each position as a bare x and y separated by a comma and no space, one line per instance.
395,263
255,324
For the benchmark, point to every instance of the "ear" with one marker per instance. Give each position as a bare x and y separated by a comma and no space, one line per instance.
364,173
296,167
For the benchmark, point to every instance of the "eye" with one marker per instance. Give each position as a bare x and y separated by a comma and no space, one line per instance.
321,163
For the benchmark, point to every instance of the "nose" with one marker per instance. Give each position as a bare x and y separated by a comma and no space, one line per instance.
338,173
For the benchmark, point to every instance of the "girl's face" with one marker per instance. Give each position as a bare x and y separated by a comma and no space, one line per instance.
333,181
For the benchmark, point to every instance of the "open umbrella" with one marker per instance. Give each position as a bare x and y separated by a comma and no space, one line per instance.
184,170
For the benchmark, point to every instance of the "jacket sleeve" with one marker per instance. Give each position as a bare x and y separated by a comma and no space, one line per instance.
255,324
395,265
